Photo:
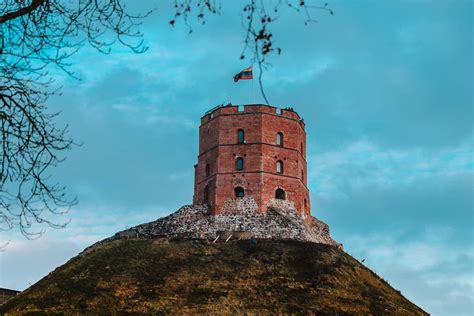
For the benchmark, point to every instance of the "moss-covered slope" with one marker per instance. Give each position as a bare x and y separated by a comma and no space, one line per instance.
176,277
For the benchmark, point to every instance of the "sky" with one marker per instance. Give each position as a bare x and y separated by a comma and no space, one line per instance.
384,87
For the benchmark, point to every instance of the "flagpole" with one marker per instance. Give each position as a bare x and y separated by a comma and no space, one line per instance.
253,89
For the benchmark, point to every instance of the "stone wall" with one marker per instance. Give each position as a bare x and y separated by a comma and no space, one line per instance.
196,222
239,206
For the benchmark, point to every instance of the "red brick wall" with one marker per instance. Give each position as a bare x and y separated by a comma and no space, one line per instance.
219,148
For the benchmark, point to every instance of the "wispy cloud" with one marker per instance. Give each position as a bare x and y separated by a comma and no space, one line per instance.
363,163
422,269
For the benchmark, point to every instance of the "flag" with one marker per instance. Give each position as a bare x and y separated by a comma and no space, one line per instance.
245,74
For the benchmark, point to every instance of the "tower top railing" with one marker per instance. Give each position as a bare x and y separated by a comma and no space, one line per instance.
233,109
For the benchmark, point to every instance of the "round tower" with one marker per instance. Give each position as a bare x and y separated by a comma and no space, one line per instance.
251,157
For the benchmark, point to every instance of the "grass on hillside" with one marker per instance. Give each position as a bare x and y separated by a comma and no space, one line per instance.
176,277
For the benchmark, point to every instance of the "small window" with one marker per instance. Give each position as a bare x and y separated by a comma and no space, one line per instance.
239,164
304,204
239,192
205,195
279,139
279,166
240,136
301,148
208,170
302,175
279,194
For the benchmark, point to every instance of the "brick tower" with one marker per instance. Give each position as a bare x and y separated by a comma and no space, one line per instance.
251,156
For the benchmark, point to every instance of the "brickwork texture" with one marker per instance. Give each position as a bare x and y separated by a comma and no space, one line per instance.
271,146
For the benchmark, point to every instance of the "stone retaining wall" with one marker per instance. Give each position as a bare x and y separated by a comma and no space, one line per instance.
195,222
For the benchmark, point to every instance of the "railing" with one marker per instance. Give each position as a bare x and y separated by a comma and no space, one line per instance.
213,109
241,108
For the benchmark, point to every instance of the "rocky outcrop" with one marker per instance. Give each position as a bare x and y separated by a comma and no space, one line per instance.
195,222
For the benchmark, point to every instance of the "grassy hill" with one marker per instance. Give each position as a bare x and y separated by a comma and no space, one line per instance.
185,276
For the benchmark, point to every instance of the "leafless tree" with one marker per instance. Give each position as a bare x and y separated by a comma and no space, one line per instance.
39,35
35,35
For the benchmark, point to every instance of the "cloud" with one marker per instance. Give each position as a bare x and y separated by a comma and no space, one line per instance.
24,262
432,202
376,165
424,269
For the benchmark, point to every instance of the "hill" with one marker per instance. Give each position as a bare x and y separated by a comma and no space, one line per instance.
194,276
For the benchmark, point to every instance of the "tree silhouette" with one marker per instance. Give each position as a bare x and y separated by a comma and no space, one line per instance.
38,35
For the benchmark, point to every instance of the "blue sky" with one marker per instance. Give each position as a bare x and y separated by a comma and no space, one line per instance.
385,88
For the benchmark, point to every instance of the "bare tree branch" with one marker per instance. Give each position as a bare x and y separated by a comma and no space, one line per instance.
35,36
22,11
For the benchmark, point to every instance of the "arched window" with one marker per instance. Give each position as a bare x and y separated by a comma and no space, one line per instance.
205,195
301,148
240,136
208,170
279,194
279,166
279,140
239,163
239,192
